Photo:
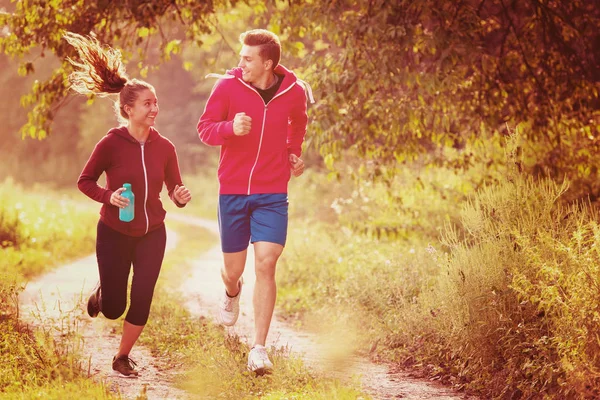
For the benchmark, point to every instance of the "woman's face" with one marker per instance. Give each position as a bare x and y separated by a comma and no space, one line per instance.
145,109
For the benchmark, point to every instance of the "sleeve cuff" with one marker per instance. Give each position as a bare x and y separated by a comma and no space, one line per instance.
226,130
106,197
178,204
295,152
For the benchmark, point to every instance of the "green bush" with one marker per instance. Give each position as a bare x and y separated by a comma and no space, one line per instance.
507,304
10,228
520,301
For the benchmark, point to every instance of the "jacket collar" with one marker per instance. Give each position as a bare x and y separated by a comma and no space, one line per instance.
289,78
123,132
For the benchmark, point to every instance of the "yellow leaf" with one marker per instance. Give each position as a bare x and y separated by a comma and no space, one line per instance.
143,32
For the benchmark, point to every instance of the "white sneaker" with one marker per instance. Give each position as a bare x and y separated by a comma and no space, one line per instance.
258,360
229,309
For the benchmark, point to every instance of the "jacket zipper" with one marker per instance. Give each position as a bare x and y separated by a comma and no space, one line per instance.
262,129
145,188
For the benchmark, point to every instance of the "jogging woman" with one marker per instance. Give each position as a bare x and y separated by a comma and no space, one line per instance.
137,154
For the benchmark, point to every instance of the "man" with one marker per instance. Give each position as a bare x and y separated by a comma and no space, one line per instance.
257,114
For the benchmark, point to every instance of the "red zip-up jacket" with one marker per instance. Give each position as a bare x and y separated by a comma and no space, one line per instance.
146,166
257,162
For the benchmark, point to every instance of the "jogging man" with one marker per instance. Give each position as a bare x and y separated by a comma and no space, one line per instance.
257,114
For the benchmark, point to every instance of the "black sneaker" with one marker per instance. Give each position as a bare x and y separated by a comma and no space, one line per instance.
124,367
94,302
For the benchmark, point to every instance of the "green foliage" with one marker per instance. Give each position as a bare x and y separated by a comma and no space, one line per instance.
412,204
340,256
522,294
398,79
394,80
38,229
81,387
43,363
38,26
181,87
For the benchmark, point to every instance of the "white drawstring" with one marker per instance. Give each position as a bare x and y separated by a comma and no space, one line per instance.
220,76
308,89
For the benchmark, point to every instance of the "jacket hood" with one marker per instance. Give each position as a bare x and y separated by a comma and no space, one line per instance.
123,132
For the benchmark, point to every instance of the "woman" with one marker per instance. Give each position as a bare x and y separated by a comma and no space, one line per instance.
137,154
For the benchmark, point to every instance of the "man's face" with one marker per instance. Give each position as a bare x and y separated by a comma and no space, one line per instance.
252,65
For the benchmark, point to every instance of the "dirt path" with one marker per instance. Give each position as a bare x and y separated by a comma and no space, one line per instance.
204,289
57,301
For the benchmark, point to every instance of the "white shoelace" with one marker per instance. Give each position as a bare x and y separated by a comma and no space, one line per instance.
262,353
228,303
261,357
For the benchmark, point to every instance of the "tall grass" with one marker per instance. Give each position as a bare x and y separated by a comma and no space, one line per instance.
521,294
338,267
39,230
493,289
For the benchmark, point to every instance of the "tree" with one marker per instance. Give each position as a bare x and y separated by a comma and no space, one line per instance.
399,78
394,79
38,26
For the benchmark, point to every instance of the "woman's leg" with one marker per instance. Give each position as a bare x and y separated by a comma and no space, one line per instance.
147,261
114,255
131,333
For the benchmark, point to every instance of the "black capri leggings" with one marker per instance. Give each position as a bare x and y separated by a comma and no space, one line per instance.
116,253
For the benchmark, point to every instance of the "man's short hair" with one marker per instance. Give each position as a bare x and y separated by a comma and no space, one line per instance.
268,42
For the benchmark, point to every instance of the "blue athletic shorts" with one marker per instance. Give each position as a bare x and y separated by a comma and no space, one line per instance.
252,218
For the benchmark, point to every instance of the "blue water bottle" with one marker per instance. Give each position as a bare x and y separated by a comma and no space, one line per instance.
126,214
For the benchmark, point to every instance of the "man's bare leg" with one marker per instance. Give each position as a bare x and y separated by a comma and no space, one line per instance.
233,268
265,290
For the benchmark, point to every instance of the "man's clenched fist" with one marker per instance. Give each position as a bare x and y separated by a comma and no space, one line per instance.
241,124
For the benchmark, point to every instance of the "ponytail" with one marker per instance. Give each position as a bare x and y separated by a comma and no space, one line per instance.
100,70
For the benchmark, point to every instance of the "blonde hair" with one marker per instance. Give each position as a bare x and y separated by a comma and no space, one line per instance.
101,72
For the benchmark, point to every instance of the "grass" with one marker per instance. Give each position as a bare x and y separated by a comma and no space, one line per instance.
40,230
344,235
77,388
492,288
215,363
